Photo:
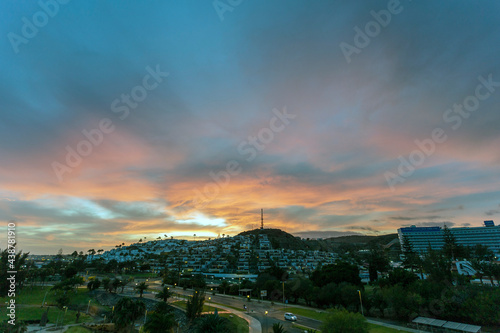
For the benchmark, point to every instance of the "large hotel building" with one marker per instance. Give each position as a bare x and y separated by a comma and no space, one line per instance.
423,237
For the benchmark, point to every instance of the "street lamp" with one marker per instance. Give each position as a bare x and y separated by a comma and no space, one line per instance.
43,302
361,302
65,310
284,293
266,321
209,299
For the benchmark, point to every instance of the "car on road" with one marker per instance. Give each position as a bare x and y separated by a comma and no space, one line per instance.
290,316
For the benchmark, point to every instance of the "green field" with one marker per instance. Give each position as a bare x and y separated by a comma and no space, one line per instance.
206,308
309,313
232,307
35,296
29,301
240,323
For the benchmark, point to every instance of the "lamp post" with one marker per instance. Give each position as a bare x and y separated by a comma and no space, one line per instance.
361,302
43,302
65,310
284,293
265,330
209,299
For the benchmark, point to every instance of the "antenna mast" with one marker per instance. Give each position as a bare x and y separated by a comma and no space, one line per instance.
262,218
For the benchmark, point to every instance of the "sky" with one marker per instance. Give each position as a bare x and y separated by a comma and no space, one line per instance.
122,120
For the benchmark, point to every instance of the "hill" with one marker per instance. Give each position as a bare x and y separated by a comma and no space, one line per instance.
363,240
282,239
279,239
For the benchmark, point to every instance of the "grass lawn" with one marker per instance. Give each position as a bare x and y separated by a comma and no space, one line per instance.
309,313
29,301
232,307
241,324
35,296
206,308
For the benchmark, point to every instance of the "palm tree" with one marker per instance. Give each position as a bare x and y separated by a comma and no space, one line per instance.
115,284
160,322
106,284
123,284
211,323
224,286
194,306
141,287
278,328
126,312
164,294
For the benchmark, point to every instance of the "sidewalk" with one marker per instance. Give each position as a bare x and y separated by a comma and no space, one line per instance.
253,324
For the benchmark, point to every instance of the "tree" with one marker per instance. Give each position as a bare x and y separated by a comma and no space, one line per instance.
411,258
212,324
437,266
399,276
124,283
450,244
224,287
337,273
342,321
106,283
127,311
17,260
164,294
141,287
62,300
161,320
20,327
94,284
115,284
378,262
482,252
278,328
194,305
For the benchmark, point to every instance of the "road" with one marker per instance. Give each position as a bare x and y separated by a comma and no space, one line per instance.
256,309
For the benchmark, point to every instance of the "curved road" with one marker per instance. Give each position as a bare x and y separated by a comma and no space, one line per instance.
255,309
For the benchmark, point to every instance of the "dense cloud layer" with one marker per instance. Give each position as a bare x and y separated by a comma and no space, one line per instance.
261,109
